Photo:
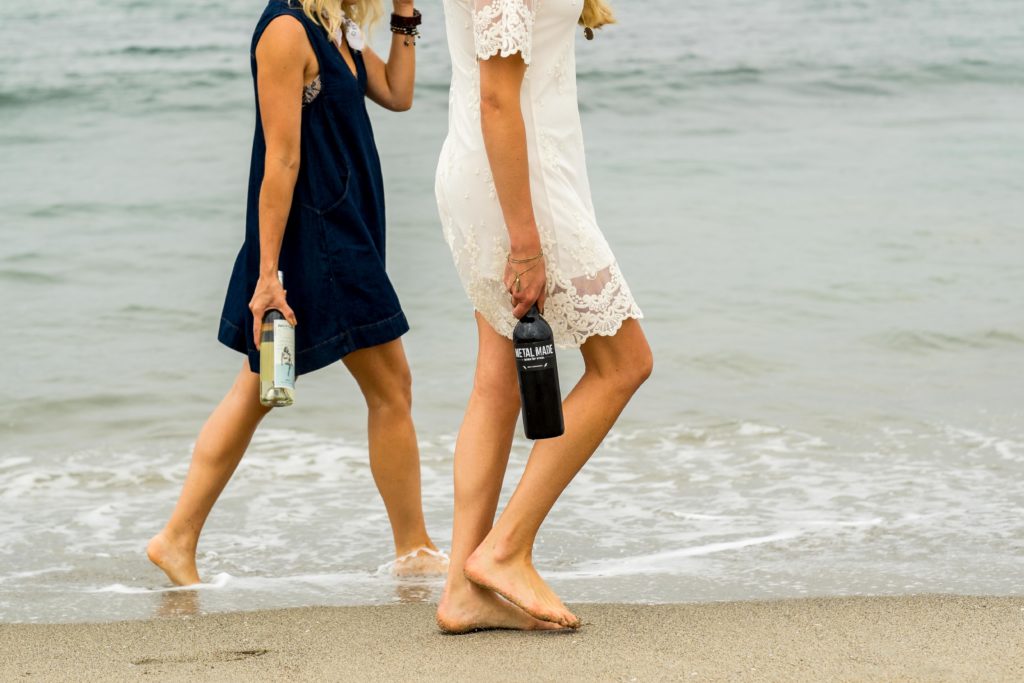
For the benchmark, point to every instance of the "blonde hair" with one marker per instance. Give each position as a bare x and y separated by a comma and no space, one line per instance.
329,13
596,13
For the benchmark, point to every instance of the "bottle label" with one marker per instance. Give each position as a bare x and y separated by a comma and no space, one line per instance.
532,357
284,354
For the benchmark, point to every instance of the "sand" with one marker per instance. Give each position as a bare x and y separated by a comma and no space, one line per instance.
927,638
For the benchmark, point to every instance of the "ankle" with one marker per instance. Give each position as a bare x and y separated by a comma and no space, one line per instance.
186,541
410,545
458,589
507,551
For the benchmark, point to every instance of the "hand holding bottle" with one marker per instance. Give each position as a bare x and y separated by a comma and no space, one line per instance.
269,295
526,281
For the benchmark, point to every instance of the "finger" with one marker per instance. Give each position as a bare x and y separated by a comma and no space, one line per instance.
256,333
289,315
519,304
532,297
542,299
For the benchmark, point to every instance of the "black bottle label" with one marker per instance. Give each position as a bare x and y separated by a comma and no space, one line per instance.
535,356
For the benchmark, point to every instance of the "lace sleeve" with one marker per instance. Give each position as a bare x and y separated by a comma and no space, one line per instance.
503,27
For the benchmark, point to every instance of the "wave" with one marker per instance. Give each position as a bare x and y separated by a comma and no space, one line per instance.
927,341
742,502
115,89
157,50
224,581
219,581
731,363
35,95
667,561
31,277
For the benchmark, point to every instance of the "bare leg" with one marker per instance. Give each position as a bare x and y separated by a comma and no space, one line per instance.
481,456
615,369
218,450
382,373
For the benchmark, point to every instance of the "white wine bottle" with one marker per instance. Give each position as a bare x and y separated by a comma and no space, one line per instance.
277,358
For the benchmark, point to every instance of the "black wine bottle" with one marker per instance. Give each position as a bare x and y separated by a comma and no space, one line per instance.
538,377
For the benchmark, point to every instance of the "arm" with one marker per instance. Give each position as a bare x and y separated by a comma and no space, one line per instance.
504,133
283,57
391,84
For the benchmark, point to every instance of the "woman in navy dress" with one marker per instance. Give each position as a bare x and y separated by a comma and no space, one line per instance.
316,213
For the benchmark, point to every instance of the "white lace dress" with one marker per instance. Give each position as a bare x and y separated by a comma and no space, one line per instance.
587,293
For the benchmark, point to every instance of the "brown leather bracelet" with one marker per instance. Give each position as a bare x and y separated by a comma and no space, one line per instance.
400,22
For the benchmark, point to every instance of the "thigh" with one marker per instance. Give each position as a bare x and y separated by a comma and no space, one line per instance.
495,362
245,391
381,371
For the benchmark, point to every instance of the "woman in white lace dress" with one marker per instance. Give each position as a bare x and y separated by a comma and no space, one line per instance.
515,205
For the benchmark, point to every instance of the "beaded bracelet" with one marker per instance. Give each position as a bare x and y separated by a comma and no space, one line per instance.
412,33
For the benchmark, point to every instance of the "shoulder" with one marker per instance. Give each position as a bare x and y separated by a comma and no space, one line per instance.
284,38
284,29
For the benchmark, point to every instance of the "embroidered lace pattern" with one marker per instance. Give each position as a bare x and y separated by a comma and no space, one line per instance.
503,28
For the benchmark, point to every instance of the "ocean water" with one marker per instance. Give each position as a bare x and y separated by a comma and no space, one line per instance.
819,205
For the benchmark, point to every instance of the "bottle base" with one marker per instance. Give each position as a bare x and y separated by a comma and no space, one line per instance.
549,434
277,397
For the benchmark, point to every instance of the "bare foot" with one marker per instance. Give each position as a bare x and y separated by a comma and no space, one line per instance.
178,563
477,609
519,583
421,562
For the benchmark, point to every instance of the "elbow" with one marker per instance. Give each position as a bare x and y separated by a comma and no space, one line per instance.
291,164
286,162
401,105
494,105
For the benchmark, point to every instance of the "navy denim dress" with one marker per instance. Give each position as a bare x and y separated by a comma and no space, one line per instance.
332,255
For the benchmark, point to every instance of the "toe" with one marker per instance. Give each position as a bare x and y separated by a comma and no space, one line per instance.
539,625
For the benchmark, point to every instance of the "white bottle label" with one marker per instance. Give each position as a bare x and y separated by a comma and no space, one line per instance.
284,354
535,356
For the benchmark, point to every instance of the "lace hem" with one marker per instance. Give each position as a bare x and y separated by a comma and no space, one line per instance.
576,309
503,27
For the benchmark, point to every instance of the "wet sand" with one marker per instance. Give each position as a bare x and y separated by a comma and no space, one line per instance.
927,638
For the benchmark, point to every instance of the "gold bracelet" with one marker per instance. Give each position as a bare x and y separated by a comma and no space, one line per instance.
524,260
517,283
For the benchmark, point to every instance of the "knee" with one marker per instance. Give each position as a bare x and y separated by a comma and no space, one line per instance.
644,368
393,395
245,392
630,374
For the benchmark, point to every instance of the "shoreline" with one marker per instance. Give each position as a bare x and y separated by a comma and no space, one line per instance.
911,638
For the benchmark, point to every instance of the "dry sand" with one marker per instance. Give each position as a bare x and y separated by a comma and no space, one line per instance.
928,638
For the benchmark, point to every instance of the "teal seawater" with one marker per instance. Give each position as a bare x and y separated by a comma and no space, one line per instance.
818,205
